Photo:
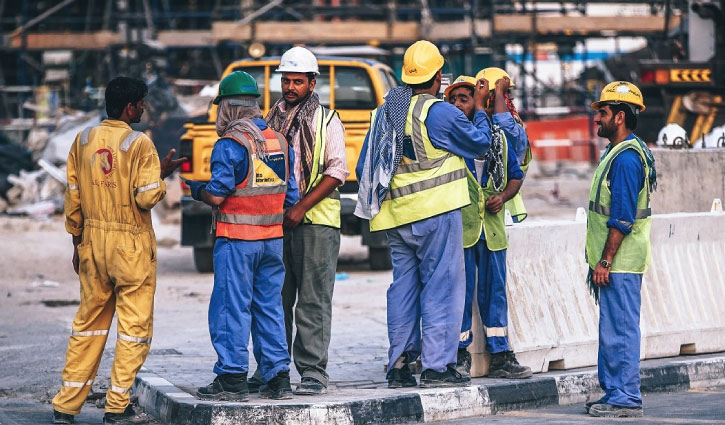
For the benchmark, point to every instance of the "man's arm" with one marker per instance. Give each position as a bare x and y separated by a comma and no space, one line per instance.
148,187
494,203
450,130
223,181
72,207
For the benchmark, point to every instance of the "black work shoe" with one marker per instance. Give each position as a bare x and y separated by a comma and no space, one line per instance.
450,378
463,362
254,383
589,404
128,417
310,386
505,365
226,387
401,377
278,388
62,418
606,410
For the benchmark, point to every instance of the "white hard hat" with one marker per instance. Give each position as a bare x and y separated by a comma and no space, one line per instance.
673,135
298,59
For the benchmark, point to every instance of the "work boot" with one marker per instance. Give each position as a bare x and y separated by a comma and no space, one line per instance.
226,387
401,377
254,383
62,418
589,404
463,362
606,410
310,386
278,388
128,417
450,378
505,365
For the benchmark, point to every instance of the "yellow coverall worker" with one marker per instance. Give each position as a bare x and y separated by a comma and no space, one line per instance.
114,179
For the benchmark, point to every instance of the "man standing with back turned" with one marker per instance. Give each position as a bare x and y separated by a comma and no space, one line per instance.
618,247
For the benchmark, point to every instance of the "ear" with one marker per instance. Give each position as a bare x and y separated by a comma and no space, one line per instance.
619,118
312,84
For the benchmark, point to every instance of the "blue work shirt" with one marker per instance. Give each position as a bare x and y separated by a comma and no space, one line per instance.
626,177
515,134
513,169
450,130
229,162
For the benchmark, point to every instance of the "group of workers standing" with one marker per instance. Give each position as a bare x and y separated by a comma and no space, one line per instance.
436,176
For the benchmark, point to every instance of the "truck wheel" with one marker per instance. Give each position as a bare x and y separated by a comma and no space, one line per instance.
380,258
204,259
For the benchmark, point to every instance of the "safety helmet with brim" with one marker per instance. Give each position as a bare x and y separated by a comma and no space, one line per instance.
238,83
621,92
421,62
461,81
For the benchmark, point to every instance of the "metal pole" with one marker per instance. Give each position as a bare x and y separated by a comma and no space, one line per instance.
38,18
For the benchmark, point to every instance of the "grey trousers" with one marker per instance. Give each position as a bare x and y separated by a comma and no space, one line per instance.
310,258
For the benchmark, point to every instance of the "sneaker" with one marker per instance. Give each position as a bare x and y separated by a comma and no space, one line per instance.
254,383
226,387
310,386
401,378
505,365
62,418
606,410
589,404
278,388
463,362
450,378
128,417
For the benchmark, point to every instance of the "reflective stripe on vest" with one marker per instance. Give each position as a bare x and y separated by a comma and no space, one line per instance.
327,211
255,210
432,183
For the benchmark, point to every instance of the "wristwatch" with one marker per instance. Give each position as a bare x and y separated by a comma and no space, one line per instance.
606,264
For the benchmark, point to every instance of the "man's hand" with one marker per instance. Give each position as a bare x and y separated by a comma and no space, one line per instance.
601,275
195,188
481,94
294,216
502,85
76,260
168,165
494,203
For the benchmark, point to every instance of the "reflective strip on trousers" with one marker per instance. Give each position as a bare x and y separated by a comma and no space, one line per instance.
90,333
119,390
135,339
243,192
492,332
464,336
147,187
601,209
72,187
252,220
76,384
399,192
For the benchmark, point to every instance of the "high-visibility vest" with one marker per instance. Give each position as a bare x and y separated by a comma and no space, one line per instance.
327,211
633,255
432,183
494,225
515,205
255,210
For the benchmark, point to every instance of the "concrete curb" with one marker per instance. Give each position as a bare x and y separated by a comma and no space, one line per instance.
174,406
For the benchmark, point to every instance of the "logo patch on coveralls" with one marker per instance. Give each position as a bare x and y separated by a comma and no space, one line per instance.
104,158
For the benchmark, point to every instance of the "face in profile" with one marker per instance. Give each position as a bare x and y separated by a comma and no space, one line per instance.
462,98
605,121
136,111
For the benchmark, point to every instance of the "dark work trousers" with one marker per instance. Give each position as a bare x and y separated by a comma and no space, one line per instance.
310,258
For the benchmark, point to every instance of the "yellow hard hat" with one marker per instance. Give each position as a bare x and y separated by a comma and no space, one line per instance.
493,74
462,80
421,61
620,92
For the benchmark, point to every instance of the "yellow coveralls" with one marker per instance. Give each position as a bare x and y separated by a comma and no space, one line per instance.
114,179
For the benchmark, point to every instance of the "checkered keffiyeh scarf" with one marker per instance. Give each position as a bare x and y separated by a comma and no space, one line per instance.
494,159
385,150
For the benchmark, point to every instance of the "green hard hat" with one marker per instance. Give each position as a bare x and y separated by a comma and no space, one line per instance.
238,83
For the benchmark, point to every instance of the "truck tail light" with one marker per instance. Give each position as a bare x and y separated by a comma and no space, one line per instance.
647,76
186,166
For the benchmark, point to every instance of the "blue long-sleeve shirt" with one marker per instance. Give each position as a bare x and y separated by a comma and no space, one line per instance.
513,169
450,130
515,134
229,165
626,177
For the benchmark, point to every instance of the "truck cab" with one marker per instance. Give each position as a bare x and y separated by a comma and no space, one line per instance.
351,86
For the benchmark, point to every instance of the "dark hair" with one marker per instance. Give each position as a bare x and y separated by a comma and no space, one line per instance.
424,86
120,92
310,76
630,119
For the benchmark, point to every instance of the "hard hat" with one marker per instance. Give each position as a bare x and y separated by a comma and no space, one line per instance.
298,59
238,83
421,62
620,92
493,74
673,135
462,80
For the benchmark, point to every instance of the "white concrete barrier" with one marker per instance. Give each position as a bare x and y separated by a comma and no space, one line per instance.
553,321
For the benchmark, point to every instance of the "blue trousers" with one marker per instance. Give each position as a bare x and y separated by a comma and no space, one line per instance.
619,337
491,296
428,288
247,297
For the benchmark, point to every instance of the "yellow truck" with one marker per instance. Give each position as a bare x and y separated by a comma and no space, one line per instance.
351,86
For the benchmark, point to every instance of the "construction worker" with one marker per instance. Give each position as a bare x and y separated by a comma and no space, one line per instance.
499,176
312,226
417,202
618,246
250,183
114,179
511,123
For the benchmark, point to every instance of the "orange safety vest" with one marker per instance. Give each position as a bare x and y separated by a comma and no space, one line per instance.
255,210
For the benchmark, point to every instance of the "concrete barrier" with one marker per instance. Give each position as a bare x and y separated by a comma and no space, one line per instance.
553,321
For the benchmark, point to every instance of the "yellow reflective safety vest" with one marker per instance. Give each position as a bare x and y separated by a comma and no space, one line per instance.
327,211
515,205
633,255
473,214
431,183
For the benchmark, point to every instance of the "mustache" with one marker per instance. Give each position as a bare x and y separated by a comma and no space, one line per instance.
290,92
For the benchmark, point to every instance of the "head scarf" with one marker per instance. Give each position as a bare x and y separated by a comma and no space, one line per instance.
235,113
